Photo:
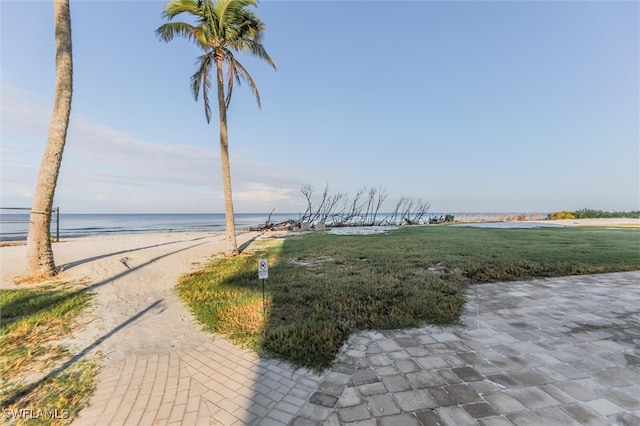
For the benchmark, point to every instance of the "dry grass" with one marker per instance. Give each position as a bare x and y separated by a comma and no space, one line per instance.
59,280
12,243
247,319
33,322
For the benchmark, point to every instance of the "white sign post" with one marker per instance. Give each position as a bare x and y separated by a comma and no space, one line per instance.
263,269
263,274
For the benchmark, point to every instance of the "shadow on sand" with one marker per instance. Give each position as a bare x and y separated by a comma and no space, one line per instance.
73,264
77,357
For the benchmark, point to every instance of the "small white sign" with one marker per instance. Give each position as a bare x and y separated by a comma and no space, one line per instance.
263,269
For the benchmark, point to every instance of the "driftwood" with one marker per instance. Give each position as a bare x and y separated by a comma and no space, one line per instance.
338,210
287,225
442,219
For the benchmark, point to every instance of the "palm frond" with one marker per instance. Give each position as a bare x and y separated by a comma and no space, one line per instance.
202,78
170,30
235,71
231,15
176,7
248,37
210,19
256,49
224,26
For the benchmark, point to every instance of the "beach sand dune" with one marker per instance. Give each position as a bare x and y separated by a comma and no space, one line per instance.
133,277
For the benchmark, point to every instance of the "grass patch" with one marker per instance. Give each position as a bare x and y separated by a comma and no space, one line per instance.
323,287
32,323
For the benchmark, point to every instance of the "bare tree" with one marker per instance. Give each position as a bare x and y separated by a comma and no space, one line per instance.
329,205
363,209
356,207
307,191
382,195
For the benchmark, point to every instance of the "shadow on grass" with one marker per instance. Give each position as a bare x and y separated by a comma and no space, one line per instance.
328,287
246,244
31,302
25,390
34,302
321,289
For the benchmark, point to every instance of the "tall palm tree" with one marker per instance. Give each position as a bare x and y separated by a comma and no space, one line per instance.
39,254
221,28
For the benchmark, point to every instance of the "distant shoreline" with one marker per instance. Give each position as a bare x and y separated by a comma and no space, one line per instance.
604,222
14,226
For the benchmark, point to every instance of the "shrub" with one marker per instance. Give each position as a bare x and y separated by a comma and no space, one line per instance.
592,214
560,215
595,214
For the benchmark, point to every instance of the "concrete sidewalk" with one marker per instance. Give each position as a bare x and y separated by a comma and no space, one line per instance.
541,352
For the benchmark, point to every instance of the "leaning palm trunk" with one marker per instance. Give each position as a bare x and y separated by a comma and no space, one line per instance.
232,244
39,253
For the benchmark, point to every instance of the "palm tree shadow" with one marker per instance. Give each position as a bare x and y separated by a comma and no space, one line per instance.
77,357
27,304
19,393
135,268
73,264
246,244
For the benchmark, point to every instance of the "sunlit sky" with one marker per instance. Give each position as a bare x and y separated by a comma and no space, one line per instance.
477,106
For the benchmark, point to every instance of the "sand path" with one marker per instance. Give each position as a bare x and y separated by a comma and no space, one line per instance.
158,366
133,277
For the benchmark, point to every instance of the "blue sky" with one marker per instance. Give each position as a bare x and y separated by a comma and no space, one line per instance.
473,106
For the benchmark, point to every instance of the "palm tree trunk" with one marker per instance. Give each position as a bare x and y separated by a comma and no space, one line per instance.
39,254
232,244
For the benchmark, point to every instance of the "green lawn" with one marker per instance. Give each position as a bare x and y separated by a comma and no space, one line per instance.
323,287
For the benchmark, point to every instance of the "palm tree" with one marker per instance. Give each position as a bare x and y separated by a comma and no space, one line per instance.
221,28
39,254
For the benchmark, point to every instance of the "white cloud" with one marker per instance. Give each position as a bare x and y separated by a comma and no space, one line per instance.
121,156
262,192
107,170
267,197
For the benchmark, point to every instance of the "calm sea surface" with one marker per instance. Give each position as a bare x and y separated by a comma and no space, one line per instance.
14,226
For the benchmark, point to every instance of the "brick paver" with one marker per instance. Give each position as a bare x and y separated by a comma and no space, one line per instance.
541,352
547,351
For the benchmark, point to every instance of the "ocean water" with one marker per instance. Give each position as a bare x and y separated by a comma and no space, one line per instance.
14,226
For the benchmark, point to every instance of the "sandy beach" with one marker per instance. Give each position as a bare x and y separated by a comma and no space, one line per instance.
615,222
133,277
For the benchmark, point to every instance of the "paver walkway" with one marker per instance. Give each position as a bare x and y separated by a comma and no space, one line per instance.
562,351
